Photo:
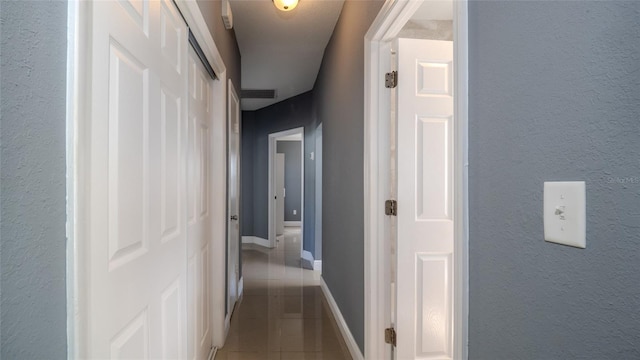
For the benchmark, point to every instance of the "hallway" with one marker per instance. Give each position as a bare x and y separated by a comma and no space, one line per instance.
283,313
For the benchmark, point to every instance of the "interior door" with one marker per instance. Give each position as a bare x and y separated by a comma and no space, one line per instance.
425,212
199,231
280,194
136,273
234,198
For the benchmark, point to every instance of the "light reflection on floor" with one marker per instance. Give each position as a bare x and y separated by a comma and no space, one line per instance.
283,313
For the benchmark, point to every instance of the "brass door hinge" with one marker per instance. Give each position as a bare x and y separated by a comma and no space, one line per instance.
391,207
391,79
390,336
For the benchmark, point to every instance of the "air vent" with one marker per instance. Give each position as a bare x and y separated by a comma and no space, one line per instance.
257,94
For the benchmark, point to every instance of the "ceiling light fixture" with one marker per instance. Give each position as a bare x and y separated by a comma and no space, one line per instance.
285,5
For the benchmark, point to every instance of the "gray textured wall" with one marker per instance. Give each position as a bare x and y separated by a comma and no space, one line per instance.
288,114
554,95
246,163
339,97
292,178
225,39
33,45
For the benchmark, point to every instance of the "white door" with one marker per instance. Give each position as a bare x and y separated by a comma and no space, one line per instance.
280,194
424,303
233,245
318,160
199,231
135,259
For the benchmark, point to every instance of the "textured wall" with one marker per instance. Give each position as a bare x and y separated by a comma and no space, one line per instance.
554,95
246,163
288,114
225,39
292,178
339,98
32,180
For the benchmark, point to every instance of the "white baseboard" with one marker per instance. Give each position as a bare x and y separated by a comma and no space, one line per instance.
317,265
342,324
292,223
256,240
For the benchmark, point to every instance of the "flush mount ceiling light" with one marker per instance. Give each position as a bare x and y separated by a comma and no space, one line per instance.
285,5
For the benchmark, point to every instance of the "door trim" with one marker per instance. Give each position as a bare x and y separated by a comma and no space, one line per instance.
78,93
232,99
391,18
272,173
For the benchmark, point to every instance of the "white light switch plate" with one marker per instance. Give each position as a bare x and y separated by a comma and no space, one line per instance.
565,213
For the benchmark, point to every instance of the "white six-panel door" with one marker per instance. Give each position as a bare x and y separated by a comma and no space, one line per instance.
199,231
136,248
425,157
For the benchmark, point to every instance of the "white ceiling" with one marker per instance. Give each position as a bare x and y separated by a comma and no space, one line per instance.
282,50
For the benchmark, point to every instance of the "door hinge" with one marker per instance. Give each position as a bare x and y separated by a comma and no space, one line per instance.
391,207
391,79
390,336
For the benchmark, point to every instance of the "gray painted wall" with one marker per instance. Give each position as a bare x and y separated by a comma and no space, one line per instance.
292,178
246,163
225,39
33,44
339,102
288,114
554,95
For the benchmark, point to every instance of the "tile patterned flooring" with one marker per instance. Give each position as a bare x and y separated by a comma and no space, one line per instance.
283,313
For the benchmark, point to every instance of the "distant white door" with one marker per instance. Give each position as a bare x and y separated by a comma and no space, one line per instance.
134,260
233,224
199,229
280,194
318,225
424,304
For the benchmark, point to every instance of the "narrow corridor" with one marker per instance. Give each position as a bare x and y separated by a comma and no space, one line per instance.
283,313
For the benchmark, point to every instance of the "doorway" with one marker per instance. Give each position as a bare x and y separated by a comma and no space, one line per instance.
288,146
417,159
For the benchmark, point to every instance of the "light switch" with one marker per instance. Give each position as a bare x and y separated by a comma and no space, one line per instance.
565,213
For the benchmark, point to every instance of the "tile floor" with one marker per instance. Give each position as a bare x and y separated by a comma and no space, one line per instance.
283,313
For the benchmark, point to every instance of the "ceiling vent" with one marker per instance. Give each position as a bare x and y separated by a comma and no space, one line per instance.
257,94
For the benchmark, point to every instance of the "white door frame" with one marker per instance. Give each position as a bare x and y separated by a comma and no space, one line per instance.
78,111
390,20
273,137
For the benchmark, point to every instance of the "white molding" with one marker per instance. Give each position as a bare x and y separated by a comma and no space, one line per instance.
240,287
354,350
385,27
317,265
461,178
256,241
293,223
219,209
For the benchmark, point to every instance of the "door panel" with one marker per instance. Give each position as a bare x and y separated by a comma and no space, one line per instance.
233,224
425,214
280,194
135,251
199,226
